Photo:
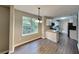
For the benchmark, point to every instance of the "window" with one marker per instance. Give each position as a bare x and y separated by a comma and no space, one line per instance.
29,26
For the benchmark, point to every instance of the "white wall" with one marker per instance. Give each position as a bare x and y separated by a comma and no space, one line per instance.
64,26
78,31
18,38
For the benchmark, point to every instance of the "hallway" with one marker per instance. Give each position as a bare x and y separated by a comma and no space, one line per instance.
67,45
45,46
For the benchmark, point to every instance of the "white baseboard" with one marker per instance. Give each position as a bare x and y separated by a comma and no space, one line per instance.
4,52
25,42
43,37
10,52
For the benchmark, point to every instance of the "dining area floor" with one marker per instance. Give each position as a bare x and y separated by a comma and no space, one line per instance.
45,46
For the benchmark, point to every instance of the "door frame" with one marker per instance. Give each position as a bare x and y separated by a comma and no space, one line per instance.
11,29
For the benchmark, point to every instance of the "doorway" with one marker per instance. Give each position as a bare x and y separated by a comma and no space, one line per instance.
64,26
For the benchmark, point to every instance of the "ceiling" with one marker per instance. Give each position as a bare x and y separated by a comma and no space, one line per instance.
49,10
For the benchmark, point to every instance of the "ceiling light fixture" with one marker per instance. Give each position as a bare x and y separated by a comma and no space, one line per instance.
39,17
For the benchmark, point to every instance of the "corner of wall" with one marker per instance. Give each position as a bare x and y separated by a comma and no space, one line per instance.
4,52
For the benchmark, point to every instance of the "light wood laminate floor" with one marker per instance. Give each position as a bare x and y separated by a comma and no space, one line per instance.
45,46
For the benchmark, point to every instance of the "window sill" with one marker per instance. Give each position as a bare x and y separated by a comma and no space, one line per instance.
29,34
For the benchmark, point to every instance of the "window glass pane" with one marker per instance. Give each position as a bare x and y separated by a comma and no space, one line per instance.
29,26
26,25
34,25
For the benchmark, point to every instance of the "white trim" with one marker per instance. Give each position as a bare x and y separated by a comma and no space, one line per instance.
11,29
78,46
26,42
29,33
10,52
4,52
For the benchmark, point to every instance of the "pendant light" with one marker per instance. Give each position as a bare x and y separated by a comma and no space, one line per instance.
39,17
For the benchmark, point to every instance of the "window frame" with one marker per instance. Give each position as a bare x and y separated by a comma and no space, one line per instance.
31,22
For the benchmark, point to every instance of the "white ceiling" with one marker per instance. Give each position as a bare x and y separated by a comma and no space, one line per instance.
49,10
